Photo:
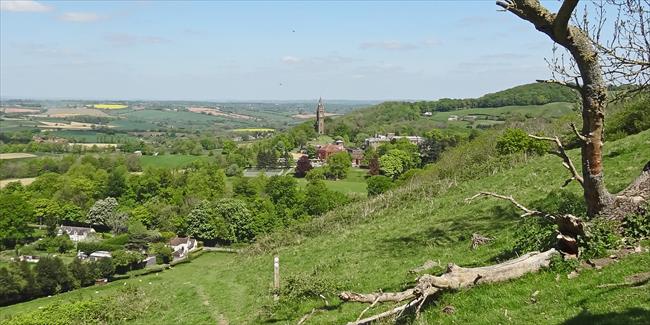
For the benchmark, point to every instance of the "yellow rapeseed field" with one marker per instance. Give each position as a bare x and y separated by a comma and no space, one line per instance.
110,106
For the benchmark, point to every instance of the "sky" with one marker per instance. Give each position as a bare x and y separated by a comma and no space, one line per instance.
203,50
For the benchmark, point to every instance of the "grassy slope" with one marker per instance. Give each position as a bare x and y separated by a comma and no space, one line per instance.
390,234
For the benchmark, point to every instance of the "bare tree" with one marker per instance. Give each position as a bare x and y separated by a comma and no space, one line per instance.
624,55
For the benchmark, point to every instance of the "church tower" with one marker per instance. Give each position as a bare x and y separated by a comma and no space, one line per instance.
319,126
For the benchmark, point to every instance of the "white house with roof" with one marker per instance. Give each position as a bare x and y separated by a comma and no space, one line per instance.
76,234
99,255
181,246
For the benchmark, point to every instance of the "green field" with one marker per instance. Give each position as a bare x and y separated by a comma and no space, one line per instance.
399,230
170,161
90,136
355,182
548,110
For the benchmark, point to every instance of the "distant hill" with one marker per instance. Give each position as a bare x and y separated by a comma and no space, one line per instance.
531,100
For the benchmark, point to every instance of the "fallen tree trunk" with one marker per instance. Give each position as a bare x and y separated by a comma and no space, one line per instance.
454,278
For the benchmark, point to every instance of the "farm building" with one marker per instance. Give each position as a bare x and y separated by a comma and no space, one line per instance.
380,139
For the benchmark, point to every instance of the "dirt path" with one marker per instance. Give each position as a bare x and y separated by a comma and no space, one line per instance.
218,317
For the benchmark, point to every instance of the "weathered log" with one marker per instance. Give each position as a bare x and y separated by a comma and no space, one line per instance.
454,278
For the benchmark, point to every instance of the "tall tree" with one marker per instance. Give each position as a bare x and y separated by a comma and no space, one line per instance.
15,216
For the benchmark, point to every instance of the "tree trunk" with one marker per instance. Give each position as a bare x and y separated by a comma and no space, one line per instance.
593,89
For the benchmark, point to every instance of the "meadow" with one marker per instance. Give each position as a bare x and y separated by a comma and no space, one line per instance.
427,219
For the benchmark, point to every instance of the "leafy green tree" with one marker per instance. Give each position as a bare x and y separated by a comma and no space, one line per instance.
102,268
81,273
315,174
11,286
52,276
16,215
396,162
124,260
238,217
116,182
104,212
319,199
241,186
338,165
233,170
203,223
47,212
283,190
143,214
516,140
378,184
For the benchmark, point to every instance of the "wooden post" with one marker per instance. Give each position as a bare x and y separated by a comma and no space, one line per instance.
276,278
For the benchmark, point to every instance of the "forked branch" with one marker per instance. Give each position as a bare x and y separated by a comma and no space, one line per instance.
568,164
527,211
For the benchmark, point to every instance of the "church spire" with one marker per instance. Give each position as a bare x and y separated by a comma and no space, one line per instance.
319,126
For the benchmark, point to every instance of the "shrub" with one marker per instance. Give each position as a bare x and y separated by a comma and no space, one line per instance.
533,234
600,236
125,261
378,184
304,286
163,253
637,226
90,247
60,244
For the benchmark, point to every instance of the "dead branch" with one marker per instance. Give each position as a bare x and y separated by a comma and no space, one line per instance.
454,278
478,239
577,133
527,211
568,164
427,265
304,318
574,86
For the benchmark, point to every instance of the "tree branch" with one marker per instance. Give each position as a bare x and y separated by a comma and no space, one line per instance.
577,133
560,25
568,164
527,211
558,82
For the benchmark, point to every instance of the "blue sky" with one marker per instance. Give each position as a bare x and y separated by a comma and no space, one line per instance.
264,50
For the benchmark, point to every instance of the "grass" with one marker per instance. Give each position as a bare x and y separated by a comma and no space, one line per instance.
548,110
170,161
355,182
370,245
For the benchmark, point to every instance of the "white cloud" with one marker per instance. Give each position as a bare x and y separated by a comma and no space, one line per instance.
291,59
80,17
23,6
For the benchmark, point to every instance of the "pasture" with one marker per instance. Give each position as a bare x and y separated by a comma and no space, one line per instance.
170,161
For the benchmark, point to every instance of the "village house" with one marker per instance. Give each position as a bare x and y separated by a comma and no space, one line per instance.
329,149
76,234
357,156
380,139
181,246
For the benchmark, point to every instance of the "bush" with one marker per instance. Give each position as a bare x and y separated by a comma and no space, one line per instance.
60,244
90,247
304,286
637,226
125,261
533,234
600,236
163,253
378,184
